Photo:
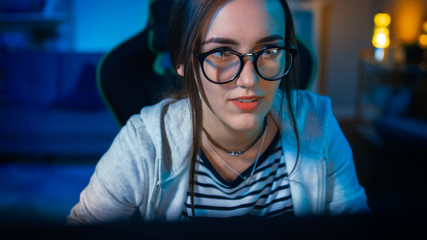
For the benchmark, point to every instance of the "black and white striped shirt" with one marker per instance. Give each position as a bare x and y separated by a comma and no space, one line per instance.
268,195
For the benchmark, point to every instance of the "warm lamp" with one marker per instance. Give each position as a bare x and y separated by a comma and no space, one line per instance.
381,37
382,19
422,40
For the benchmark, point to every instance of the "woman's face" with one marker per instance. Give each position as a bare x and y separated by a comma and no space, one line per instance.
244,26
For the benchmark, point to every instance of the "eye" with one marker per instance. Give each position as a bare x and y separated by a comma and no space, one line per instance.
222,54
271,52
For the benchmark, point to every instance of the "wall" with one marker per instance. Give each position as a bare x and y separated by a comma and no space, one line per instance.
347,28
100,25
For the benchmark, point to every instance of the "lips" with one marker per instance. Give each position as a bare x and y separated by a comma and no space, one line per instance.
247,103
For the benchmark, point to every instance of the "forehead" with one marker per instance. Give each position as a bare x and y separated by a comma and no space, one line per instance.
247,20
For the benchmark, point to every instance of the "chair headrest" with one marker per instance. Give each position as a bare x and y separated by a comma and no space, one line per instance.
158,25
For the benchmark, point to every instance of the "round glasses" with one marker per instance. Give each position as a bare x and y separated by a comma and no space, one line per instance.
223,65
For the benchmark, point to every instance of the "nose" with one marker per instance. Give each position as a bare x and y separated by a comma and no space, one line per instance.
248,77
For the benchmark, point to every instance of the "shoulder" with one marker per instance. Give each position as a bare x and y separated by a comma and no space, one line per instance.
320,128
311,110
151,117
163,131
314,119
308,101
145,132
138,145
141,136
160,109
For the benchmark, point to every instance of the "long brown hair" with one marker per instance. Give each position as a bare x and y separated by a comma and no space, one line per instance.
188,23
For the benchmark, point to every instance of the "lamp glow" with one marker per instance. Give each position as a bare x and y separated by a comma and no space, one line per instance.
381,38
382,19
422,40
382,31
408,19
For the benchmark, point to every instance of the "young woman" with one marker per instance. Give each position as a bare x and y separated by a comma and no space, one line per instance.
240,142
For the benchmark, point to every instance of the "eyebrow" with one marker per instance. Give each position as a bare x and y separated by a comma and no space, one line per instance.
270,38
230,41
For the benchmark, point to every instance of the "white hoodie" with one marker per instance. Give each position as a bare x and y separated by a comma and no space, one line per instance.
144,174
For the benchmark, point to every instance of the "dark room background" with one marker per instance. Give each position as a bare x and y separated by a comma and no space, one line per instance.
54,124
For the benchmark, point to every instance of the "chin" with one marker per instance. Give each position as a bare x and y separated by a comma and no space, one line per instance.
247,122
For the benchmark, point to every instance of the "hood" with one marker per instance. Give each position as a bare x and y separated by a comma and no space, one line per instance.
169,125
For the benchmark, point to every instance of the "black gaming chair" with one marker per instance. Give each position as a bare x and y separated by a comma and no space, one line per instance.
137,73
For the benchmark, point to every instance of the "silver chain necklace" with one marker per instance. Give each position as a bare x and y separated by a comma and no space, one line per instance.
247,180
237,152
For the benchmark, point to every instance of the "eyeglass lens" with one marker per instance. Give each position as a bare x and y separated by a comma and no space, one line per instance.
223,66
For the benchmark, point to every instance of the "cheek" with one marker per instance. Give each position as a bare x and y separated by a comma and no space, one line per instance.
209,93
213,92
271,88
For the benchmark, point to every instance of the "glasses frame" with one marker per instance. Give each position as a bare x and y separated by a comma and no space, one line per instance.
254,57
